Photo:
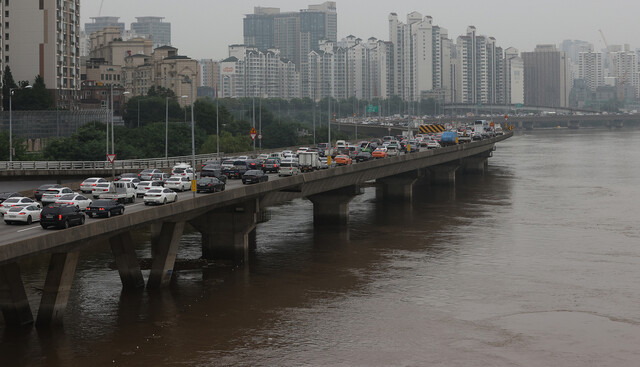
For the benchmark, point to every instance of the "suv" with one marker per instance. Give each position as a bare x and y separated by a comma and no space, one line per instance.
61,216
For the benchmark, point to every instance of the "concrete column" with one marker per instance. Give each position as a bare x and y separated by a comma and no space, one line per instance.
332,207
126,261
225,231
164,251
13,298
398,186
57,286
443,174
476,165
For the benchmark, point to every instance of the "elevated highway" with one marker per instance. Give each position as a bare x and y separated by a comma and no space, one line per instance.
225,219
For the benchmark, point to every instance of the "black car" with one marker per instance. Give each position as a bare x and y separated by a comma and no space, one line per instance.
253,164
61,216
271,165
254,176
237,170
42,188
5,195
363,157
209,184
213,171
104,208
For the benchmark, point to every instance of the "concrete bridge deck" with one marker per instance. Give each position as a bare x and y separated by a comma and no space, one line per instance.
225,220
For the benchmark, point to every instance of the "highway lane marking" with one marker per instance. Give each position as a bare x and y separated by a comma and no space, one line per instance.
28,229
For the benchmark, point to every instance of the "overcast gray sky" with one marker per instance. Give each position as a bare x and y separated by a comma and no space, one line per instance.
204,28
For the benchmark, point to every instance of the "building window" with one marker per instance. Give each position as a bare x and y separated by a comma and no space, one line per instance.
6,36
6,58
6,47
6,14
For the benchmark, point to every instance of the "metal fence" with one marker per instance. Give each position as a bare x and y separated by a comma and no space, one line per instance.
47,124
93,165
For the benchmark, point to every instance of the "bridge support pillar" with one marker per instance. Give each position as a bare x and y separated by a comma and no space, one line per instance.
164,249
444,174
126,261
398,186
226,232
57,286
13,298
476,165
332,207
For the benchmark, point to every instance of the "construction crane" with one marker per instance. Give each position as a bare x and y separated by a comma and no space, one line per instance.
620,78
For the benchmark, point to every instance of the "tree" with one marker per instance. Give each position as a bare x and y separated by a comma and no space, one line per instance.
35,98
19,150
7,84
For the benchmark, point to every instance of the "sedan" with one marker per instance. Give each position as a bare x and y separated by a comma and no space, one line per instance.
27,214
209,184
178,183
134,180
51,195
160,196
100,188
104,208
79,201
5,195
254,176
16,201
145,186
146,174
342,160
363,157
87,185
42,188
379,153
433,144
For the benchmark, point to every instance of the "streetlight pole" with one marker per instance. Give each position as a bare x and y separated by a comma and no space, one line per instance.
10,127
260,121
217,125
166,130
193,140
254,115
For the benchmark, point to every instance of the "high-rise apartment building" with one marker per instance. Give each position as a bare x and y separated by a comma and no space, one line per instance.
513,77
43,38
421,57
209,73
546,77
155,28
591,69
295,34
99,23
626,72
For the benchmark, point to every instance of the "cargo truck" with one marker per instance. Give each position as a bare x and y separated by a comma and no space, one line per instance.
308,161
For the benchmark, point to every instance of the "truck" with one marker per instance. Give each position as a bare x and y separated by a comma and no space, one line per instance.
449,138
122,192
479,126
308,161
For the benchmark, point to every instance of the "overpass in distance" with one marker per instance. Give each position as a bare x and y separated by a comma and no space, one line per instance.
227,221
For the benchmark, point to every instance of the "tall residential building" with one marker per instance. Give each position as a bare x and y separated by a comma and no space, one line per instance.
421,57
209,73
249,72
295,34
107,44
513,77
591,69
43,38
546,77
626,71
573,48
158,31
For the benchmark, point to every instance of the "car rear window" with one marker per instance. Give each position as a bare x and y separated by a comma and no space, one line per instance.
67,197
154,191
91,180
11,200
16,209
102,203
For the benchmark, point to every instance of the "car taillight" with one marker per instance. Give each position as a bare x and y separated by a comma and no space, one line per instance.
275,165
59,216
93,184
58,196
101,209
21,213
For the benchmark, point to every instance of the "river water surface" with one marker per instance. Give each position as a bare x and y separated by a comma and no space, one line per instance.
536,263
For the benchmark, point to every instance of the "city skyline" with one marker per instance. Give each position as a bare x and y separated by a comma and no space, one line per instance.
493,18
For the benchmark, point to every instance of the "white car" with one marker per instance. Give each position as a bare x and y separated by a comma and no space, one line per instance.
79,201
160,196
27,214
288,168
100,189
16,201
87,185
145,186
178,183
134,181
53,194
184,172
243,158
433,144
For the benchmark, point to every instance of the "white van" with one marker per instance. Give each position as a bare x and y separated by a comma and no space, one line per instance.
288,168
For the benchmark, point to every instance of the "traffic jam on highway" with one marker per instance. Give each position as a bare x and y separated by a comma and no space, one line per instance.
56,206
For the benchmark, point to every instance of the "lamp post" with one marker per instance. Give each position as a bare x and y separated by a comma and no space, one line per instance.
166,130
217,126
185,110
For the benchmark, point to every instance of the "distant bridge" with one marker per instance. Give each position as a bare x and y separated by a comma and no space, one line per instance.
481,107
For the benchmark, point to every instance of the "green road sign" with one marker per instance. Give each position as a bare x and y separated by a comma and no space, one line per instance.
518,105
372,108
